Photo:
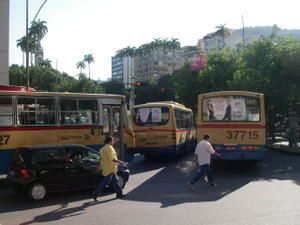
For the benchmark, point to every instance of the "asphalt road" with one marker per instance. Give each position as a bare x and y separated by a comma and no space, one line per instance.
157,193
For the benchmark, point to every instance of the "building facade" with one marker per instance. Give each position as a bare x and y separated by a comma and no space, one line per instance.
4,41
157,63
116,69
211,43
123,70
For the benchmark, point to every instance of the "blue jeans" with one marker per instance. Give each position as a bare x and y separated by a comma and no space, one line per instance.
112,180
203,170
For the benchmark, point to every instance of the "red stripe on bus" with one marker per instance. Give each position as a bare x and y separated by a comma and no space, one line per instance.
260,126
48,127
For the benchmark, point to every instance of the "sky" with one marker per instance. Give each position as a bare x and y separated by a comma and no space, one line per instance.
102,27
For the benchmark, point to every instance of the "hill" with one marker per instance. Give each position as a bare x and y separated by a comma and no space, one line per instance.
254,33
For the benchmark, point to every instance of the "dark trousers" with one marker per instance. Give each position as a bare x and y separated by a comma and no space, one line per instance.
203,170
112,180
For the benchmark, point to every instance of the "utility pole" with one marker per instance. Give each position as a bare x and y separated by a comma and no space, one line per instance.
27,48
243,31
132,94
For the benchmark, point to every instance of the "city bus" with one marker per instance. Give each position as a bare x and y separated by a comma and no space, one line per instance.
33,118
163,127
236,122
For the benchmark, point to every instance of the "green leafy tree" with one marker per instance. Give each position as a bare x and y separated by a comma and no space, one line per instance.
49,79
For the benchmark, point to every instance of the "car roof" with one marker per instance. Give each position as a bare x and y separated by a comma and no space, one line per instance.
41,146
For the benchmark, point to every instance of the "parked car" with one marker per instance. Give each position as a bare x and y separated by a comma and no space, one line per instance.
40,169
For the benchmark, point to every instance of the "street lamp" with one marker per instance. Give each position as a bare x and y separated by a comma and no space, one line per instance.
27,41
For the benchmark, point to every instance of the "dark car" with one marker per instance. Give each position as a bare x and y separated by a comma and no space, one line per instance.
38,170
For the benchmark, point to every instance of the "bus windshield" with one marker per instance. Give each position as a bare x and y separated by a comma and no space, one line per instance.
231,108
151,116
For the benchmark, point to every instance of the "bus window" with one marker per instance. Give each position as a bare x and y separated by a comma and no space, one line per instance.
26,111
87,111
179,119
231,108
6,112
68,111
151,116
82,111
45,111
106,120
116,120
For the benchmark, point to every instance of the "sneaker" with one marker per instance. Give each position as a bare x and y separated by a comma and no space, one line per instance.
191,186
121,196
213,184
206,179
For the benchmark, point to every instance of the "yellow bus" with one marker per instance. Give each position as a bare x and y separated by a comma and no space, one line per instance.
164,127
236,122
30,118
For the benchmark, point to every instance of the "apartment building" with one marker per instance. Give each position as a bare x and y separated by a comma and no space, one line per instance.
157,63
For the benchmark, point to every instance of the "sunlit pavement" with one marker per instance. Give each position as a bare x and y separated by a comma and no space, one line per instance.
157,193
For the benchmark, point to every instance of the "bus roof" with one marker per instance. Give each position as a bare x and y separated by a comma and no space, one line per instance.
227,93
58,94
161,103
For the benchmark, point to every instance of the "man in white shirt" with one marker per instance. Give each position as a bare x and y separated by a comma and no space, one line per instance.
203,153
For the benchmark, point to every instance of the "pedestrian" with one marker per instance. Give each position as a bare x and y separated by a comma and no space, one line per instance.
203,153
108,164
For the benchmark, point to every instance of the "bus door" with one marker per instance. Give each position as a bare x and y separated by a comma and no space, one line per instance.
112,125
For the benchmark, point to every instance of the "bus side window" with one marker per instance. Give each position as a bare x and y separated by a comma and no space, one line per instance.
106,120
6,111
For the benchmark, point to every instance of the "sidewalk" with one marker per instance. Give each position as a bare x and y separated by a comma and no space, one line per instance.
284,146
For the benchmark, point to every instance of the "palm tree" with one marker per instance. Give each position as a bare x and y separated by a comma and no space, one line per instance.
37,31
128,51
46,63
89,58
223,32
175,44
22,44
31,46
81,65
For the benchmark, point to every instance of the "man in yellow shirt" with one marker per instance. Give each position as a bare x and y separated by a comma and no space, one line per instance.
109,166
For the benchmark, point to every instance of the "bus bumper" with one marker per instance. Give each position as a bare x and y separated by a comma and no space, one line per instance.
241,155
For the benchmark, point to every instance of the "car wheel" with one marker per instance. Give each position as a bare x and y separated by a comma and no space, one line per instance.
121,181
37,191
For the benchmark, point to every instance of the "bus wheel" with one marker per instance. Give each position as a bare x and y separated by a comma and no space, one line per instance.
37,191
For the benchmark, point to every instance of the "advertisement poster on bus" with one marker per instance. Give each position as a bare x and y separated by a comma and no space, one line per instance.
224,108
